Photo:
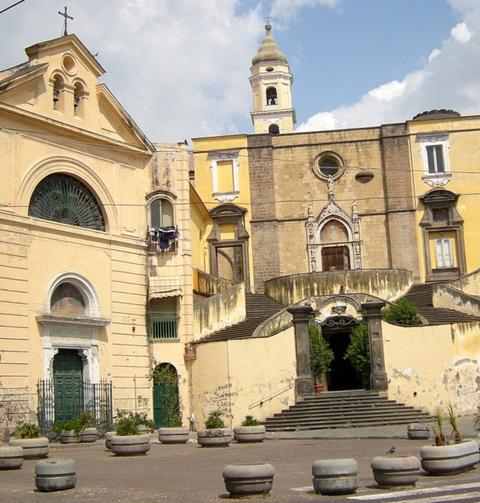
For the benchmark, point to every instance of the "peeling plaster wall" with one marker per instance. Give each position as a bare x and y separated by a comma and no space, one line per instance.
247,376
387,284
469,284
219,311
443,296
432,366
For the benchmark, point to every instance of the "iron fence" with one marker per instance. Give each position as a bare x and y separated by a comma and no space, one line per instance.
95,398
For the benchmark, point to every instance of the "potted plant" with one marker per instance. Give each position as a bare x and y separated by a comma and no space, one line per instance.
27,435
173,432
128,441
321,357
89,432
68,431
249,431
445,458
215,434
358,352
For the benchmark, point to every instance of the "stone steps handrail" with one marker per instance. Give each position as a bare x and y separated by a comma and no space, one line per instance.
270,397
446,296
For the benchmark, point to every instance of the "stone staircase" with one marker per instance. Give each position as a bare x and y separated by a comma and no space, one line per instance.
259,308
344,409
421,295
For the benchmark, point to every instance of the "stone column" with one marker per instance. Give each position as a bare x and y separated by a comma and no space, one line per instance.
304,380
373,315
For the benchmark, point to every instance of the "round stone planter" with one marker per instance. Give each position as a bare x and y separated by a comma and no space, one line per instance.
214,437
89,435
69,437
11,458
33,448
55,475
249,433
394,471
177,435
335,476
418,431
108,439
132,445
248,479
449,459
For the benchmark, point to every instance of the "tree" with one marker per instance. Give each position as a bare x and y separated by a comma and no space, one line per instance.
358,352
403,313
321,354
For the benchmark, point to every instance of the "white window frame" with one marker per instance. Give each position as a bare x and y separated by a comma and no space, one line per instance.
217,157
435,178
443,253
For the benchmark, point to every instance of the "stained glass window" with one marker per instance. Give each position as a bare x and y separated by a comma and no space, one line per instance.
62,198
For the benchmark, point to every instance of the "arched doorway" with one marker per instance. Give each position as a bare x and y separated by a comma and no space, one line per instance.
337,331
67,384
166,410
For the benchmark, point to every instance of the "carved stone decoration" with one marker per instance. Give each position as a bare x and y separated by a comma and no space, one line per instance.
357,250
437,180
339,321
333,211
225,156
311,248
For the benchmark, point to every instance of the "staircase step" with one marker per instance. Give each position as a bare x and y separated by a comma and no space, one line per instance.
344,409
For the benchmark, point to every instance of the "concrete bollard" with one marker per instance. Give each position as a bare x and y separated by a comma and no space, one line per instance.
418,431
393,471
248,479
335,476
11,458
55,475
33,448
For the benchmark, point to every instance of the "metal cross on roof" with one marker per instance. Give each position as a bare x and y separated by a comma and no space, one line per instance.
65,21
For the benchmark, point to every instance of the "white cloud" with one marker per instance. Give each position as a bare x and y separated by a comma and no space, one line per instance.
434,54
450,79
285,9
461,33
389,91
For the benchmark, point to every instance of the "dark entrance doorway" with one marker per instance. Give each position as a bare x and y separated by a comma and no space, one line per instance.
335,258
165,395
67,384
337,331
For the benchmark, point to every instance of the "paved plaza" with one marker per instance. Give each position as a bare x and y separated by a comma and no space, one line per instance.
190,474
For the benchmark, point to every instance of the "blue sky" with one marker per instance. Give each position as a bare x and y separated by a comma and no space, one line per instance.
181,67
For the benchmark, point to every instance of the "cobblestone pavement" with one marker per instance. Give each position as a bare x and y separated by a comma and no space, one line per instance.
190,474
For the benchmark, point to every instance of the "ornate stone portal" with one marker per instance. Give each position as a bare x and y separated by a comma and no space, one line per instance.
320,243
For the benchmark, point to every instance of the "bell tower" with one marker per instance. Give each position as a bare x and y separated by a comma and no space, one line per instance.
271,83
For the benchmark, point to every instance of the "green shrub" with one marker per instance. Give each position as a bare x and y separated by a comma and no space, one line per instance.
26,430
403,313
135,418
126,426
250,421
321,355
174,421
214,420
85,418
358,352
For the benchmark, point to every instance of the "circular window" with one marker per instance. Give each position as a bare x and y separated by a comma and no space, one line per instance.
364,176
269,69
69,65
328,164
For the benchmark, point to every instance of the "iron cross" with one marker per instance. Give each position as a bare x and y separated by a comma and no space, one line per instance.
66,18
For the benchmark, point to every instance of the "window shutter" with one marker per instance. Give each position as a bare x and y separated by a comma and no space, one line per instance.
438,252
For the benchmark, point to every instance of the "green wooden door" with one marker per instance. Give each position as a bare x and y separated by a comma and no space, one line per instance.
165,403
68,386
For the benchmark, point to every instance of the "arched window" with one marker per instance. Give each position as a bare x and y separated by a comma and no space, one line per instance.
78,99
273,129
62,198
58,84
333,232
161,214
67,300
272,96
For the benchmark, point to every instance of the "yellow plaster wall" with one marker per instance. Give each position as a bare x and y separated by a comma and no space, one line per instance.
433,366
203,178
235,376
464,160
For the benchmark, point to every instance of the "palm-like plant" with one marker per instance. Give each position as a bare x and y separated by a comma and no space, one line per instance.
440,438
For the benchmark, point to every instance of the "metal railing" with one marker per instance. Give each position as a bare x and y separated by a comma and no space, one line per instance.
161,329
95,398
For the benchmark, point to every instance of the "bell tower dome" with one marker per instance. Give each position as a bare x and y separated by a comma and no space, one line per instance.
271,83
